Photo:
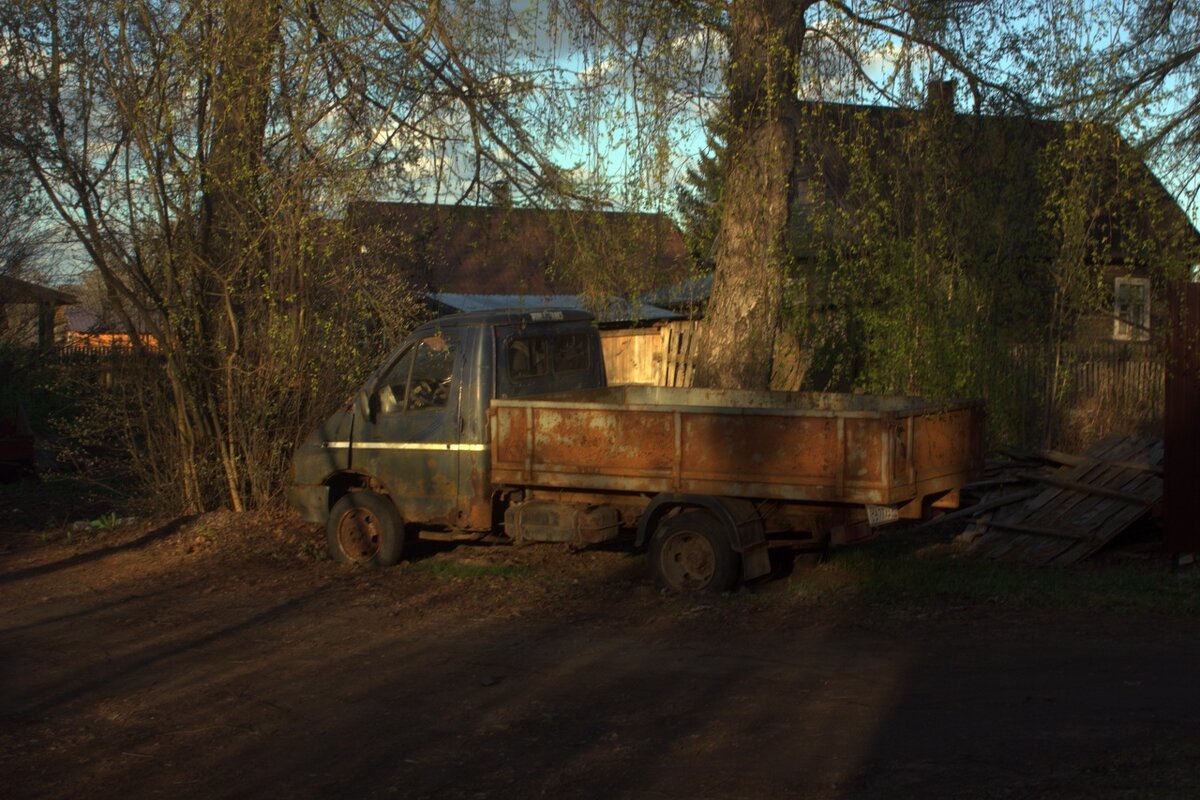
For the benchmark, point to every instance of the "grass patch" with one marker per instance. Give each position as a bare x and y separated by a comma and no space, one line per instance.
55,501
443,568
907,572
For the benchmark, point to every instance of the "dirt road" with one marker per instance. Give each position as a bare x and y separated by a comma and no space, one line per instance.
218,658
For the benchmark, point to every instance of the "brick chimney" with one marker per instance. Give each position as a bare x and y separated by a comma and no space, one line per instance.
501,193
939,94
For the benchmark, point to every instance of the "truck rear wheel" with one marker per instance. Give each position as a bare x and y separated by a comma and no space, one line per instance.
364,529
691,553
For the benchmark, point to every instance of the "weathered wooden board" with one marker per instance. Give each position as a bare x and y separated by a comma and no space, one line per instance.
1082,506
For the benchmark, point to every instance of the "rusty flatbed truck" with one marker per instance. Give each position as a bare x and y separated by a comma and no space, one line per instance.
500,424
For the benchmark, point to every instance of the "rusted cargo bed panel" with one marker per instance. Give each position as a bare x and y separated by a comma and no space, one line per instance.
804,447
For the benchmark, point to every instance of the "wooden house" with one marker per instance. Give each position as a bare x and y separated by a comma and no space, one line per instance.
32,315
504,250
1034,199
470,258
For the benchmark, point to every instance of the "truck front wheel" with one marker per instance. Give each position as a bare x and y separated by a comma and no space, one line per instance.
364,529
691,553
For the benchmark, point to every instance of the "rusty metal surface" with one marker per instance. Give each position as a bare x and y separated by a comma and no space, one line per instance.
811,448
475,493
550,521
359,533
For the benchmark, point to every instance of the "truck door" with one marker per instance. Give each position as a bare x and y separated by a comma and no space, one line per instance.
410,438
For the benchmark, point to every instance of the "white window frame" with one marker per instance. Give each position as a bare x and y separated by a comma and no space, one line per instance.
1131,320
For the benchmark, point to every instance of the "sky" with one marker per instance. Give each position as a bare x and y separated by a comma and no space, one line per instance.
623,144
630,136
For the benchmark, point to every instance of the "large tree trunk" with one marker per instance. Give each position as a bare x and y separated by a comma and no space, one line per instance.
744,311
232,224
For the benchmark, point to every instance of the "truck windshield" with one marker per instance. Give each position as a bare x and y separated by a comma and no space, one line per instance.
419,380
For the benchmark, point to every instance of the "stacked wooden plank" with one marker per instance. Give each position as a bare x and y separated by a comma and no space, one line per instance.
1074,511
679,341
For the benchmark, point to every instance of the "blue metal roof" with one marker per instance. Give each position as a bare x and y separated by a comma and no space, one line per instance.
615,309
687,292
503,316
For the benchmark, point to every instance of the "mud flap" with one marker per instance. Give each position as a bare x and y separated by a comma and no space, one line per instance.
748,536
756,561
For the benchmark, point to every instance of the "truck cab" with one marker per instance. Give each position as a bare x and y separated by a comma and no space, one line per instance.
416,436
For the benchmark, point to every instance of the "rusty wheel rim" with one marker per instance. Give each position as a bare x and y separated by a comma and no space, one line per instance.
688,561
359,534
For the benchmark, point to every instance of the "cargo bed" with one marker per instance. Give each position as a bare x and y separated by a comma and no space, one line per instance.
806,447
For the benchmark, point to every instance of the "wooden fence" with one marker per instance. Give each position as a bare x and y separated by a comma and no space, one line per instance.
1126,369
658,356
1067,397
1038,396
105,364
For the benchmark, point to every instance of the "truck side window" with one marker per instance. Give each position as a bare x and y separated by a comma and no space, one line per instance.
420,379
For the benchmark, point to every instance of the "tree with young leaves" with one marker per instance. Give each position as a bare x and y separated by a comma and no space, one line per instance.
698,198
765,41
927,244
197,150
23,236
1150,78
774,51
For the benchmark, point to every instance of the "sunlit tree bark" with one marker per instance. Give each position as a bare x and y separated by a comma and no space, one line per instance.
765,39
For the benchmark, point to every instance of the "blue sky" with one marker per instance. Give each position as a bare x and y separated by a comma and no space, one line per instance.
634,141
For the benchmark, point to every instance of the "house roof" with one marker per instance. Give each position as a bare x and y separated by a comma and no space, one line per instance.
688,293
85,319
498,250
999,157
14,290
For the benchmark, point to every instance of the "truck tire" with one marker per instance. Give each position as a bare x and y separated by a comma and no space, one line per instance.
691,553
364,529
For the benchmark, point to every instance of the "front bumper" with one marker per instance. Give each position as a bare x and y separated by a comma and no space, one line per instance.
311,501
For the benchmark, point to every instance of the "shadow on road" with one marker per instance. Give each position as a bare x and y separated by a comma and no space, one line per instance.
405,684
99,553
103,680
